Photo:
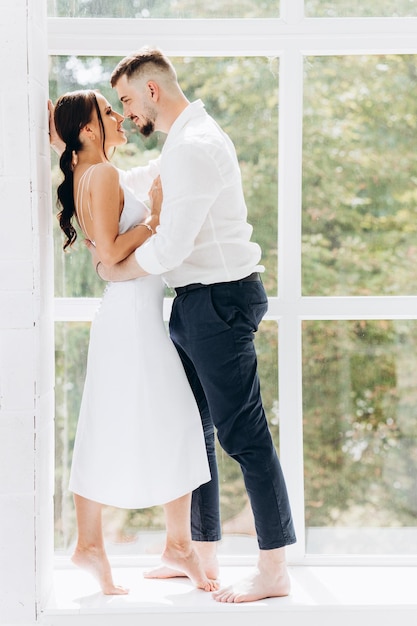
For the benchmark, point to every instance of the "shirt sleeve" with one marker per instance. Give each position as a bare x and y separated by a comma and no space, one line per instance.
139,179
191,182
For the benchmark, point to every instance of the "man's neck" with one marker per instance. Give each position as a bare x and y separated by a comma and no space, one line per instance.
172,112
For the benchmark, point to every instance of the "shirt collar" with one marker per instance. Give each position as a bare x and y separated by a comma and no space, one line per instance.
193,110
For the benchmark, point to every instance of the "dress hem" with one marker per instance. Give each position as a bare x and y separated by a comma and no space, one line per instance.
138,505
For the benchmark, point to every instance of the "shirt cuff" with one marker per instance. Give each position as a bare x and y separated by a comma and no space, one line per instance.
146,258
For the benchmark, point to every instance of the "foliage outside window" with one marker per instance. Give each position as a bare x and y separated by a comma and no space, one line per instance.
361,8
178,9
360,435
359,176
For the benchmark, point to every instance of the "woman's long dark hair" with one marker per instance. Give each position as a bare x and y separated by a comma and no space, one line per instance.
73,111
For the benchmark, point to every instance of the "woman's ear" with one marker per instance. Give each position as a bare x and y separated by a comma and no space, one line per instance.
88,133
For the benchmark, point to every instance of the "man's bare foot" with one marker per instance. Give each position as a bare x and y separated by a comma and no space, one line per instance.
207,553
94,560
269,580
185,562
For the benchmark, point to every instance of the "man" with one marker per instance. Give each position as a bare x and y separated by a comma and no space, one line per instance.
203,250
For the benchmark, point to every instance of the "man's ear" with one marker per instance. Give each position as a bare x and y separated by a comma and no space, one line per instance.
153,90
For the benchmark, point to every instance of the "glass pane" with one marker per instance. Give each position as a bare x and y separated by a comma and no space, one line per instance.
142,531
361,8
163,9
241,94
71,345
360,436
359,176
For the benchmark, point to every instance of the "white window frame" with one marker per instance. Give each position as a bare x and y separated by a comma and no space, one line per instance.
290,37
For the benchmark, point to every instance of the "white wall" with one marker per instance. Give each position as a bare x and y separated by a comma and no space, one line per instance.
26,326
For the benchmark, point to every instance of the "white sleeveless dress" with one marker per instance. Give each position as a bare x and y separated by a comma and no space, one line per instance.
139,439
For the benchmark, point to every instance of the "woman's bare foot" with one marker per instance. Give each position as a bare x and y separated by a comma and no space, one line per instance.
163,572
269,580
207,553
180,561
94,560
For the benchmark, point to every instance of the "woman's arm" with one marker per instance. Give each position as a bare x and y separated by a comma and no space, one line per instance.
105,202
128,269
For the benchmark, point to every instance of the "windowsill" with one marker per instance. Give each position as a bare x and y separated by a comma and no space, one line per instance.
345,593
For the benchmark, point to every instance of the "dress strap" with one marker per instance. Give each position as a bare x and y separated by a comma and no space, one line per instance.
83,185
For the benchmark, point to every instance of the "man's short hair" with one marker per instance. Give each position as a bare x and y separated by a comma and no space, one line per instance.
135,64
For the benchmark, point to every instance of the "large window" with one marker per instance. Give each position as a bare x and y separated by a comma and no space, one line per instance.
318,97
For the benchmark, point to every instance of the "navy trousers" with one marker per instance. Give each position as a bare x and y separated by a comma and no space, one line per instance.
213,329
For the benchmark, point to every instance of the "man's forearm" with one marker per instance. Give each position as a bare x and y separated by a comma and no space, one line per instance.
128,269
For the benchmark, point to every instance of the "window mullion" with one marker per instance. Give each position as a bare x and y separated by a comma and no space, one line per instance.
289,284
222,37
292,11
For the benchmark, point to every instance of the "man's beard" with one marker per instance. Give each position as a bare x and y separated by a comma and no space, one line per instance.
148,128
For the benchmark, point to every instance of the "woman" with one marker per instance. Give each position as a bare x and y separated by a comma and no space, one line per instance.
139,439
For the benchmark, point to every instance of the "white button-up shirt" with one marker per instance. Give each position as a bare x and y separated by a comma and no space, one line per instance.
203,236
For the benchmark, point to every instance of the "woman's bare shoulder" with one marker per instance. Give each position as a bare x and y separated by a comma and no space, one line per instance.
104,174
